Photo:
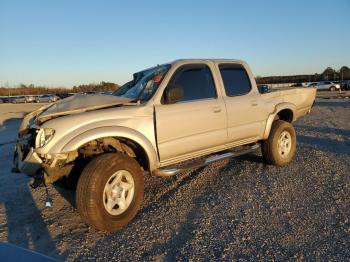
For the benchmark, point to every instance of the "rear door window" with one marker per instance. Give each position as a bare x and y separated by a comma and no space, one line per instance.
235,79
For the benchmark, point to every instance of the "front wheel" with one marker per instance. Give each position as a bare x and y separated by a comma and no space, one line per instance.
280,146
110,191
332,88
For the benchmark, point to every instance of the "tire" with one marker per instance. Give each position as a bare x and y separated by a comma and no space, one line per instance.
280,153
92,190
70,182
332,88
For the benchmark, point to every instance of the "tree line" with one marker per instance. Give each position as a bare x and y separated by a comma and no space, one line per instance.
41,90
329,74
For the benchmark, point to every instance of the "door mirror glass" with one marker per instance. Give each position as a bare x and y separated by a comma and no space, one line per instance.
173,94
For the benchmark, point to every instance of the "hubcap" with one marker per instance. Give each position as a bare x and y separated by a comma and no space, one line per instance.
284,144
118,192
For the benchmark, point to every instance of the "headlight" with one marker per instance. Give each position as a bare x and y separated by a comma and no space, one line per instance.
44,136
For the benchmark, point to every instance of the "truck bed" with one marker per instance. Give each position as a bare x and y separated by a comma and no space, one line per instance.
302,98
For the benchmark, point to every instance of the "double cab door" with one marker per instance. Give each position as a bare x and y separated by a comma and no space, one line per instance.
205,119
195,123
246,111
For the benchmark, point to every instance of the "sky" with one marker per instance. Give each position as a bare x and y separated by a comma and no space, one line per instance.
72,42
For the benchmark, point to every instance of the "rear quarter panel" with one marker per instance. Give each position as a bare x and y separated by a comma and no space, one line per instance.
301,98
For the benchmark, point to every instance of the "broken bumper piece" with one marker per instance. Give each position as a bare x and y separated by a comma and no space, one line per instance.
29,164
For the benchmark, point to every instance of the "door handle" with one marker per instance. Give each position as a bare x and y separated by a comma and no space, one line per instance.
216,109
254,103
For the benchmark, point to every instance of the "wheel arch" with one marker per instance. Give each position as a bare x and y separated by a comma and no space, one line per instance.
283,111
141,142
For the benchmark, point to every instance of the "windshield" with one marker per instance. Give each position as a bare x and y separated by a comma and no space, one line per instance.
144,84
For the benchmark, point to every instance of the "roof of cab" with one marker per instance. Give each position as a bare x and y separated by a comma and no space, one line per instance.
215,60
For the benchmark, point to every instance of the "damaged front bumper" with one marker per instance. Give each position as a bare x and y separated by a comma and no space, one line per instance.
43,168
29,164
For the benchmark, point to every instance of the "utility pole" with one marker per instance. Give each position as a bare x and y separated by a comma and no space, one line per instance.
8,89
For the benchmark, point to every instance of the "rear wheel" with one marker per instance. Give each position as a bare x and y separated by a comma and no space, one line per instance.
110,191
280,147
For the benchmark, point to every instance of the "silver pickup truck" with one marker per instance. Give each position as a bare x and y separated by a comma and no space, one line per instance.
168,118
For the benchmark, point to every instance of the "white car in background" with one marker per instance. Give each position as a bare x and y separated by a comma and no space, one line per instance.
46,99
30,99
326,85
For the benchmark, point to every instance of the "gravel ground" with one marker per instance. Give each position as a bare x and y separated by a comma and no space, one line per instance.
238,209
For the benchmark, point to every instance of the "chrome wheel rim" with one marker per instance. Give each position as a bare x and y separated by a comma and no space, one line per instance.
284,144
118,192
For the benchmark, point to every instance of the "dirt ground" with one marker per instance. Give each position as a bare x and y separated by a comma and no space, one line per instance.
238,209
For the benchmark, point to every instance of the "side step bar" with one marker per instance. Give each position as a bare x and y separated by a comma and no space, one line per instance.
173,171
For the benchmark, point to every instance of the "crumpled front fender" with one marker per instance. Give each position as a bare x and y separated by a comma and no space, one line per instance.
112,131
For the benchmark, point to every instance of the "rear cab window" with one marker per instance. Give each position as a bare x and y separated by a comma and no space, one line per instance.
235,79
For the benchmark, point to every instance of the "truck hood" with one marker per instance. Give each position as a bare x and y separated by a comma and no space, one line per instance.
77,104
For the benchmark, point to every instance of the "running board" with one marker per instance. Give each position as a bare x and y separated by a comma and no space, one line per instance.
173,171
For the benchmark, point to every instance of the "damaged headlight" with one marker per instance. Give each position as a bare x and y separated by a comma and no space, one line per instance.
44,136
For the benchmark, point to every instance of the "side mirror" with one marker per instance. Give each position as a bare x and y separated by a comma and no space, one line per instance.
173,94
263,89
